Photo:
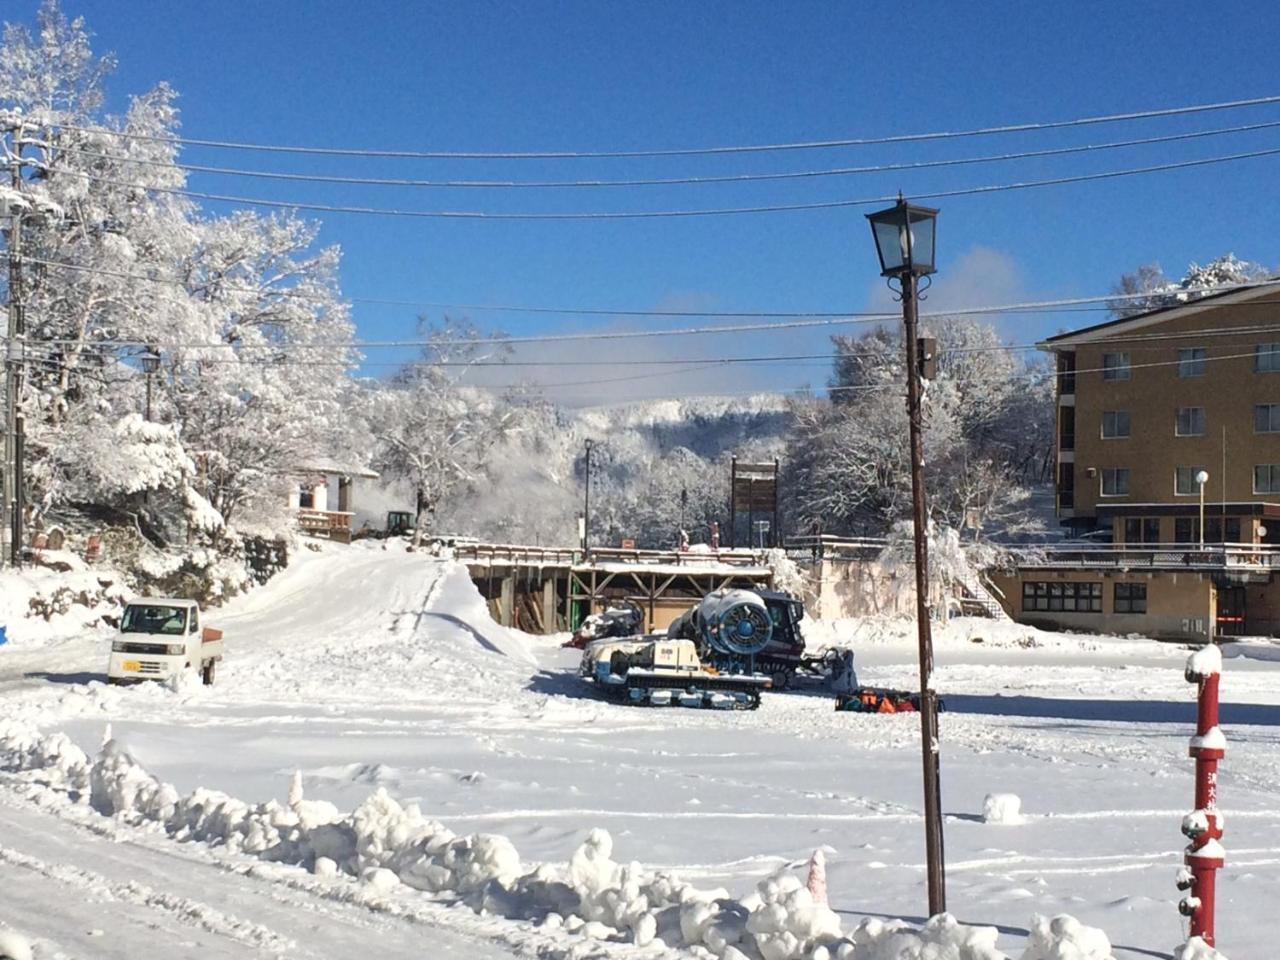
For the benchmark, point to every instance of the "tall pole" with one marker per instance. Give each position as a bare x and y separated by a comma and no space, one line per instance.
13,426
1201,514
149,398
586,502
928,700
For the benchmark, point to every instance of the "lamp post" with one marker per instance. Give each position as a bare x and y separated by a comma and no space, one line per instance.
150,364
586,499
1202,478
904,236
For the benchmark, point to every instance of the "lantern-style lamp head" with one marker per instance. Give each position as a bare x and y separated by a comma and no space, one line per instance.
150,362
905,237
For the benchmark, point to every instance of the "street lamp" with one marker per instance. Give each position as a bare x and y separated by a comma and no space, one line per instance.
905,238
586,498
150,364
1202,477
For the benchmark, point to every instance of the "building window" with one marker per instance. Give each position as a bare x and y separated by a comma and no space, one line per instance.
1217,530
1062,597
1115,481
1186,530
1266,478
1266,358
1115,366
306,497
1266,418
1190,422
1115,424
1191,362
1131,598
1184,481
1142,530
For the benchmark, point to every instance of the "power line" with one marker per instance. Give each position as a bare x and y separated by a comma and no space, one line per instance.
685,151
661,181
803,319
476,307
670,214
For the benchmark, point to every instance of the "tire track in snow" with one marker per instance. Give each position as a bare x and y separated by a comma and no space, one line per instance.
185,910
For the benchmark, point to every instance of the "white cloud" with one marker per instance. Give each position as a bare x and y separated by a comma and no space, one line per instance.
980,277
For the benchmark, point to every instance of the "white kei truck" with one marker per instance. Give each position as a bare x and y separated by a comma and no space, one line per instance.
161,637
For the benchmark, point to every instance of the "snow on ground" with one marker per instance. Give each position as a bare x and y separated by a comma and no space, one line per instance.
362,669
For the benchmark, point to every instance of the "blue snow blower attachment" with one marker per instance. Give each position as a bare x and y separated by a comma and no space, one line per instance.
734,623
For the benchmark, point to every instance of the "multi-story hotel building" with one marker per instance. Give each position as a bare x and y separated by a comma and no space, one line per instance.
1165,420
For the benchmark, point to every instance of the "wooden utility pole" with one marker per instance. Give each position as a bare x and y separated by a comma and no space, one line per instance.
928,699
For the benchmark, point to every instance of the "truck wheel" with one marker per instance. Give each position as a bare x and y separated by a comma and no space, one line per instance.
207,674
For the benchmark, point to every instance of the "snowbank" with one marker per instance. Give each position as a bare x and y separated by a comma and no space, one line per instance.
384,844
457,593
1065,938
40,605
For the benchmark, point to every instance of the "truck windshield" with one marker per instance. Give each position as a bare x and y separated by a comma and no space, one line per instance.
140,618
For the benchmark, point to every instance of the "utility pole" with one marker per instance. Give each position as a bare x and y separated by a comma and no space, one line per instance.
13,425
586,501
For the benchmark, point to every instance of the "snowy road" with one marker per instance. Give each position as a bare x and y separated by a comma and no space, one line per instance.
363,669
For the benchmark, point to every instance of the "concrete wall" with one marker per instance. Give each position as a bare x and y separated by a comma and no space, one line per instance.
1175,602
853,588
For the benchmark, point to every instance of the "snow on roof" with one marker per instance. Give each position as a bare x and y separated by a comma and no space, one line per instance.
164,602
696,566
328,465
1177,311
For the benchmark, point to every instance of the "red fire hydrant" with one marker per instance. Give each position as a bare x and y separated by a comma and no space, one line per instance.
1203,825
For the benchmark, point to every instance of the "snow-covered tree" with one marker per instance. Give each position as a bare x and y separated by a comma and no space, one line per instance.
1147,288
848,461
244,311
430,431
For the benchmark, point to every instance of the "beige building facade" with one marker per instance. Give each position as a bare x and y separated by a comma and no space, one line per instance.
1168,462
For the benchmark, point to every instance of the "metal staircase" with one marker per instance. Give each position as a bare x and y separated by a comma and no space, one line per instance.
978,597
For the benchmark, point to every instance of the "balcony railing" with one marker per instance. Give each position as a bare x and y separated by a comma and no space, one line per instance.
1154,556
334,524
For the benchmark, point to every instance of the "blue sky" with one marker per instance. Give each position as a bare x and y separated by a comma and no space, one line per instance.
610,76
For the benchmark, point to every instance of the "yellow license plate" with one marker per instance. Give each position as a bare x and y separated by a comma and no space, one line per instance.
131,666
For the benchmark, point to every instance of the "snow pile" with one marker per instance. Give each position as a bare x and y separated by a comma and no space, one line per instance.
942,938
14,947
1065,938
1002,808
383,844
40,605
1197,949
457,593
